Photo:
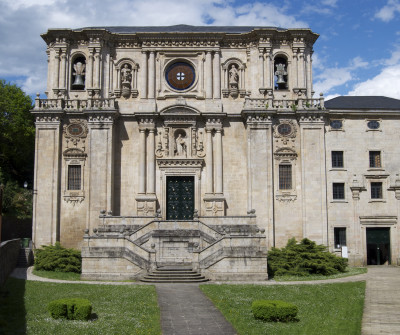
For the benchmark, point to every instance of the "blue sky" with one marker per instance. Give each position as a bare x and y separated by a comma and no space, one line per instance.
357,53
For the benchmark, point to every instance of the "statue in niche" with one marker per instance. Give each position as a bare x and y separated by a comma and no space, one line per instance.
126,78
126,74
180,145
280,73
233,77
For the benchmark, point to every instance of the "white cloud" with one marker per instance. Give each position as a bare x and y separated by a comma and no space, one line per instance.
386,83
388,12
332,77
22,22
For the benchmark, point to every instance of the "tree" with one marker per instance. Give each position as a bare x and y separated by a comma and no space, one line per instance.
17,148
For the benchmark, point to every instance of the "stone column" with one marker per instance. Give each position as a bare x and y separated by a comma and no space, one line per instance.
218,161
143,90
261,67
142,161
294,71
96,69
151,163
300,69
152,75
56,71
209,163
209,79
89,70
268,71
46,193
62,70
217,75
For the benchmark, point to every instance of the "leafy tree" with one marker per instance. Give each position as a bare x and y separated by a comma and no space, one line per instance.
17,147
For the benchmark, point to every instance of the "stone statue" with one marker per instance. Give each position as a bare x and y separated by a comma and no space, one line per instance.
180,145
233,76
126,74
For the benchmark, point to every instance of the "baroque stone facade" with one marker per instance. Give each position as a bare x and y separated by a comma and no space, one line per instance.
205,146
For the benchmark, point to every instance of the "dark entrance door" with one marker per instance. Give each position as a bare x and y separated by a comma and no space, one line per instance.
180,198
378,246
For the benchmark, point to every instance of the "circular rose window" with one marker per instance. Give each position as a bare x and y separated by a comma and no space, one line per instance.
180,76
284,129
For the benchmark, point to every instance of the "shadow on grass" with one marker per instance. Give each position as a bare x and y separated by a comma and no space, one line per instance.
12,307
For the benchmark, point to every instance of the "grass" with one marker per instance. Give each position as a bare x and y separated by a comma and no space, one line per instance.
351,271
131,309
323,308
57,275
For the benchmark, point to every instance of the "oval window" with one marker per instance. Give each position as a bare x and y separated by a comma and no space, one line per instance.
284,129
336,124
373,124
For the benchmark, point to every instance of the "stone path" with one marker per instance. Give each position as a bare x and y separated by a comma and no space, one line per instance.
382,301
185,310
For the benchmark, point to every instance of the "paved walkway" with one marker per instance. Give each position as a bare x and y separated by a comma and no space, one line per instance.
382,301
185,310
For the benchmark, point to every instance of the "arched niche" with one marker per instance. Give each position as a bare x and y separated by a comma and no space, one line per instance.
126,78
233,78
78,72
281,71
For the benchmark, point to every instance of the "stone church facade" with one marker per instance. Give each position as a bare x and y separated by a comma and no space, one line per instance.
206,146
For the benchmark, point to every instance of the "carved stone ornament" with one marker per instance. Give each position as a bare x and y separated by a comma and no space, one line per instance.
285,154
285,128
75,131
74,197
286,197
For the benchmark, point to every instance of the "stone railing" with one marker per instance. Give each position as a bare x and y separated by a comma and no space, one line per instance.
75,104
271,104
9,251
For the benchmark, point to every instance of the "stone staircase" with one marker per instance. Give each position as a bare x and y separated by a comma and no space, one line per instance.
174,274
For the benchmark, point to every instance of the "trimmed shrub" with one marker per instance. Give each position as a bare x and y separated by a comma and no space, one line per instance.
57,258
70,308
304,258
274,310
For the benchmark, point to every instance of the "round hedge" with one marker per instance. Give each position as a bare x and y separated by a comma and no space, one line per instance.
70,308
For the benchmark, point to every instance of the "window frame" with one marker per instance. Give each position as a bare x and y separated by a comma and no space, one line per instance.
338,237
285,178
336,159
375,159
335,194
373,189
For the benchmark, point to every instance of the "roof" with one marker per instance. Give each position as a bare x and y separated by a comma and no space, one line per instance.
181,28
362,102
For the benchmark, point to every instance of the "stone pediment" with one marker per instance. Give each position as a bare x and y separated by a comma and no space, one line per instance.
180,163
74,153
285,153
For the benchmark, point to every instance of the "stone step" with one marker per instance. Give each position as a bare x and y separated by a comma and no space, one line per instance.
174,275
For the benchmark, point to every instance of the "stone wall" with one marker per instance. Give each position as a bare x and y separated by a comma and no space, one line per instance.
9,251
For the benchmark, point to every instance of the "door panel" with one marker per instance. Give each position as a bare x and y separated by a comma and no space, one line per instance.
378,246
180,197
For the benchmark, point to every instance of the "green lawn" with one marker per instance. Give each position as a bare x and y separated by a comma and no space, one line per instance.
323,308
57,275
131,309
350,271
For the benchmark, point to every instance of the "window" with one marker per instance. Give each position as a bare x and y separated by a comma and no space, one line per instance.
74,177
285,177
376,190
375,159
338,190
340,237
337,159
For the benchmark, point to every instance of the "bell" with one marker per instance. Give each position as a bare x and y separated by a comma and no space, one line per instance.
281,80
78,81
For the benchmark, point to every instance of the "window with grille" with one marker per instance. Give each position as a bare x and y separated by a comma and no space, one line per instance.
285,177
375,159
340,237
337,159
74,177
338,190
376,190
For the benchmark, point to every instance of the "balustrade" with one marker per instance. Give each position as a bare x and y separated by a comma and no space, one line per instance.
75,104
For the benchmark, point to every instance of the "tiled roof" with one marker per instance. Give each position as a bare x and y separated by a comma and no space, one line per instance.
362,102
